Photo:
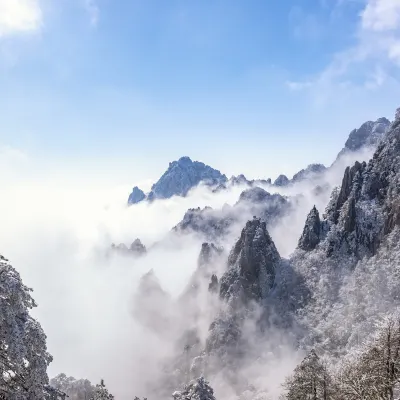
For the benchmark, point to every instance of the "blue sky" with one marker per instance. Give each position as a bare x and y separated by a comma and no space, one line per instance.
118,88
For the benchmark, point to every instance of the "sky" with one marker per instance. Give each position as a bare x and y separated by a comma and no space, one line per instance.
113,90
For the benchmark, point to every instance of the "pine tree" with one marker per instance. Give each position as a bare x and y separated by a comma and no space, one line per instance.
101,392
198,389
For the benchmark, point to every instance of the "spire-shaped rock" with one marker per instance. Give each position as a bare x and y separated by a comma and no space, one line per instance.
311,232
136,196
138,248
209,253
251,265
347,183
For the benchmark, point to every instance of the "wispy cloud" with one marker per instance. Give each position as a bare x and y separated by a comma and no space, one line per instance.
93,10
368,63
19,16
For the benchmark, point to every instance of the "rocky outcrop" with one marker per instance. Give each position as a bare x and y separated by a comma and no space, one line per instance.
136,196
365,209
311,232
282,180
252,266
368,135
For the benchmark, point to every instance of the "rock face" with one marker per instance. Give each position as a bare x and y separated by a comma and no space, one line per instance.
282,180
313,170
368,135
251,265
183,175
311,232
136,196
366,207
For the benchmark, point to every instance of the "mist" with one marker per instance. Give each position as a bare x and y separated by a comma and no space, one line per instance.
57,233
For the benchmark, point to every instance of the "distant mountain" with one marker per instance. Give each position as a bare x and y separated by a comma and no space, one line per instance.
178,179
368,135
282,180
312,171
136,196
215,225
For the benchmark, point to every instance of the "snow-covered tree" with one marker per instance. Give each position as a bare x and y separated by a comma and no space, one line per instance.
101,392
310,381
76,389
23,353
198,389
375,373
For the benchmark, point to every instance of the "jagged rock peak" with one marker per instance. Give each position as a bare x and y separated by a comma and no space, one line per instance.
138,247
311,232
347,183
183,175
239,180
282,180
208,253
136,196
252,265
309,172
368,135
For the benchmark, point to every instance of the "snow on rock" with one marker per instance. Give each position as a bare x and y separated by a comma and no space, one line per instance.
311,232
251,265
368,135
183,175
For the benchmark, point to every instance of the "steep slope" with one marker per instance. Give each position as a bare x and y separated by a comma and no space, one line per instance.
368,135
353,250
136,196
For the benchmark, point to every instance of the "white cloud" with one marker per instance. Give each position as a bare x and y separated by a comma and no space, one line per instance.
93,10
381,15
19,16
366,65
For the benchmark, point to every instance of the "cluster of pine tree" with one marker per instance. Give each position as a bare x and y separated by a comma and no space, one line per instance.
373,373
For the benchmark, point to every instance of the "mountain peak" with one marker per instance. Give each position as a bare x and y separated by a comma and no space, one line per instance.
311,232
136,196
282,180
367,135
180,177
251,265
